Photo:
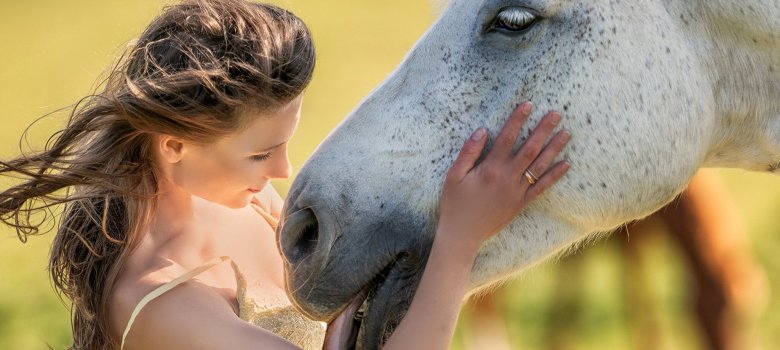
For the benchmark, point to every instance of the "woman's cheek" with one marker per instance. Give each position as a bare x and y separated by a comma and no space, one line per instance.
264,173
237,170
253,172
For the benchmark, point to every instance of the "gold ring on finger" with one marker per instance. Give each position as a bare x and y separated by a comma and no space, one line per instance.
532,179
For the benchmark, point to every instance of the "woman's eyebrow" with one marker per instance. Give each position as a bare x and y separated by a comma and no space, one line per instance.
270,148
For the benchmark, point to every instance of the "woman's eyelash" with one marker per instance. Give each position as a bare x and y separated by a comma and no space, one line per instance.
260,157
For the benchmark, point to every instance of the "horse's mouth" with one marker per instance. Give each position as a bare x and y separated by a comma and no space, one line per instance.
343,331
362,325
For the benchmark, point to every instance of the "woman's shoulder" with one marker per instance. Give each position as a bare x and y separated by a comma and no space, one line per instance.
191,315
172,319
136,282
143,271
174,310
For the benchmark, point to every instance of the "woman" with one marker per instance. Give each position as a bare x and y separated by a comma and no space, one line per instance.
164,176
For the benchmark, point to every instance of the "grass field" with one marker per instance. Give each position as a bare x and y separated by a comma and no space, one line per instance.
53,51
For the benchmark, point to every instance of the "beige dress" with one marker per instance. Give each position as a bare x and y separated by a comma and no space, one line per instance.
284,321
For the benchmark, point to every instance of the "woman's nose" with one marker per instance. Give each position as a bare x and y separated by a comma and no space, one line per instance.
282,169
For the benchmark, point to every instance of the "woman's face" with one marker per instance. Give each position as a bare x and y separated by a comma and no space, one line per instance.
233,169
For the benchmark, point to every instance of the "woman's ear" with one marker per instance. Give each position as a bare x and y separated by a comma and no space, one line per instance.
170,148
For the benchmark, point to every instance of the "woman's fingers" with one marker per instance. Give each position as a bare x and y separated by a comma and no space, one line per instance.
469,154
533,156
507,138
540,165
534,145
547,180
484,198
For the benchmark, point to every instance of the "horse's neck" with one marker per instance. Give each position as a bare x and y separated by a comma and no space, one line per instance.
742,51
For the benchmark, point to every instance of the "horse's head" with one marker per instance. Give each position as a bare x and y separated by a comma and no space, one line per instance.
638,84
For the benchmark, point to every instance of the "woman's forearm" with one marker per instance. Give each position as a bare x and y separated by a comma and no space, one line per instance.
430,321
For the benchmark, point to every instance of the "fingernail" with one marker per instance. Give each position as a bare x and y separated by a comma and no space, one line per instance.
478,135
556,118
527,107
566,166
566,136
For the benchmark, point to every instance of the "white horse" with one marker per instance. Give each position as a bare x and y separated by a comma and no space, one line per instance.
652,90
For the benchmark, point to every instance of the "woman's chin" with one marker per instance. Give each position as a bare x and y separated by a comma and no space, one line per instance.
240,203
237,202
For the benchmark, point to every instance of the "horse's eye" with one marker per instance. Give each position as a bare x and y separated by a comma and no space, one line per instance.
513,20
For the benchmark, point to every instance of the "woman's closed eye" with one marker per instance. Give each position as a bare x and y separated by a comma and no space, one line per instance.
260,157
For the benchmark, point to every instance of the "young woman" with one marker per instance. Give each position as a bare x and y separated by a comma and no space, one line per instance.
164,178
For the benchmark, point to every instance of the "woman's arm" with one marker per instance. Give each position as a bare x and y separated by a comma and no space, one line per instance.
477,202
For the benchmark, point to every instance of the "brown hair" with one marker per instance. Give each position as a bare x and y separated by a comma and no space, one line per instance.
190,74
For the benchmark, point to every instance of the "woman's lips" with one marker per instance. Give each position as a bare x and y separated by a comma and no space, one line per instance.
254,190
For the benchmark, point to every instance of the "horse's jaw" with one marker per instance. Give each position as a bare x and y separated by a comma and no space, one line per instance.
532,238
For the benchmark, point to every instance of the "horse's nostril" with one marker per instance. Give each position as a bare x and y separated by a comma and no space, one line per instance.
300,235
308,239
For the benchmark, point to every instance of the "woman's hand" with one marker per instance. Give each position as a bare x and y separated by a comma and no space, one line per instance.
479,200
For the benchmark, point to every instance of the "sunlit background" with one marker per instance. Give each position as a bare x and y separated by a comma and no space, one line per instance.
52,52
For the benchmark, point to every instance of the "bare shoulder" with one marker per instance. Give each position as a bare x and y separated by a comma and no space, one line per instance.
193,315
132,285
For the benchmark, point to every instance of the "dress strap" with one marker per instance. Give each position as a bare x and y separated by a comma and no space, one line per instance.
274,222
166,287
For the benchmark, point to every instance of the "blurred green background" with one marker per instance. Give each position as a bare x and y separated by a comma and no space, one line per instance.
52,52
